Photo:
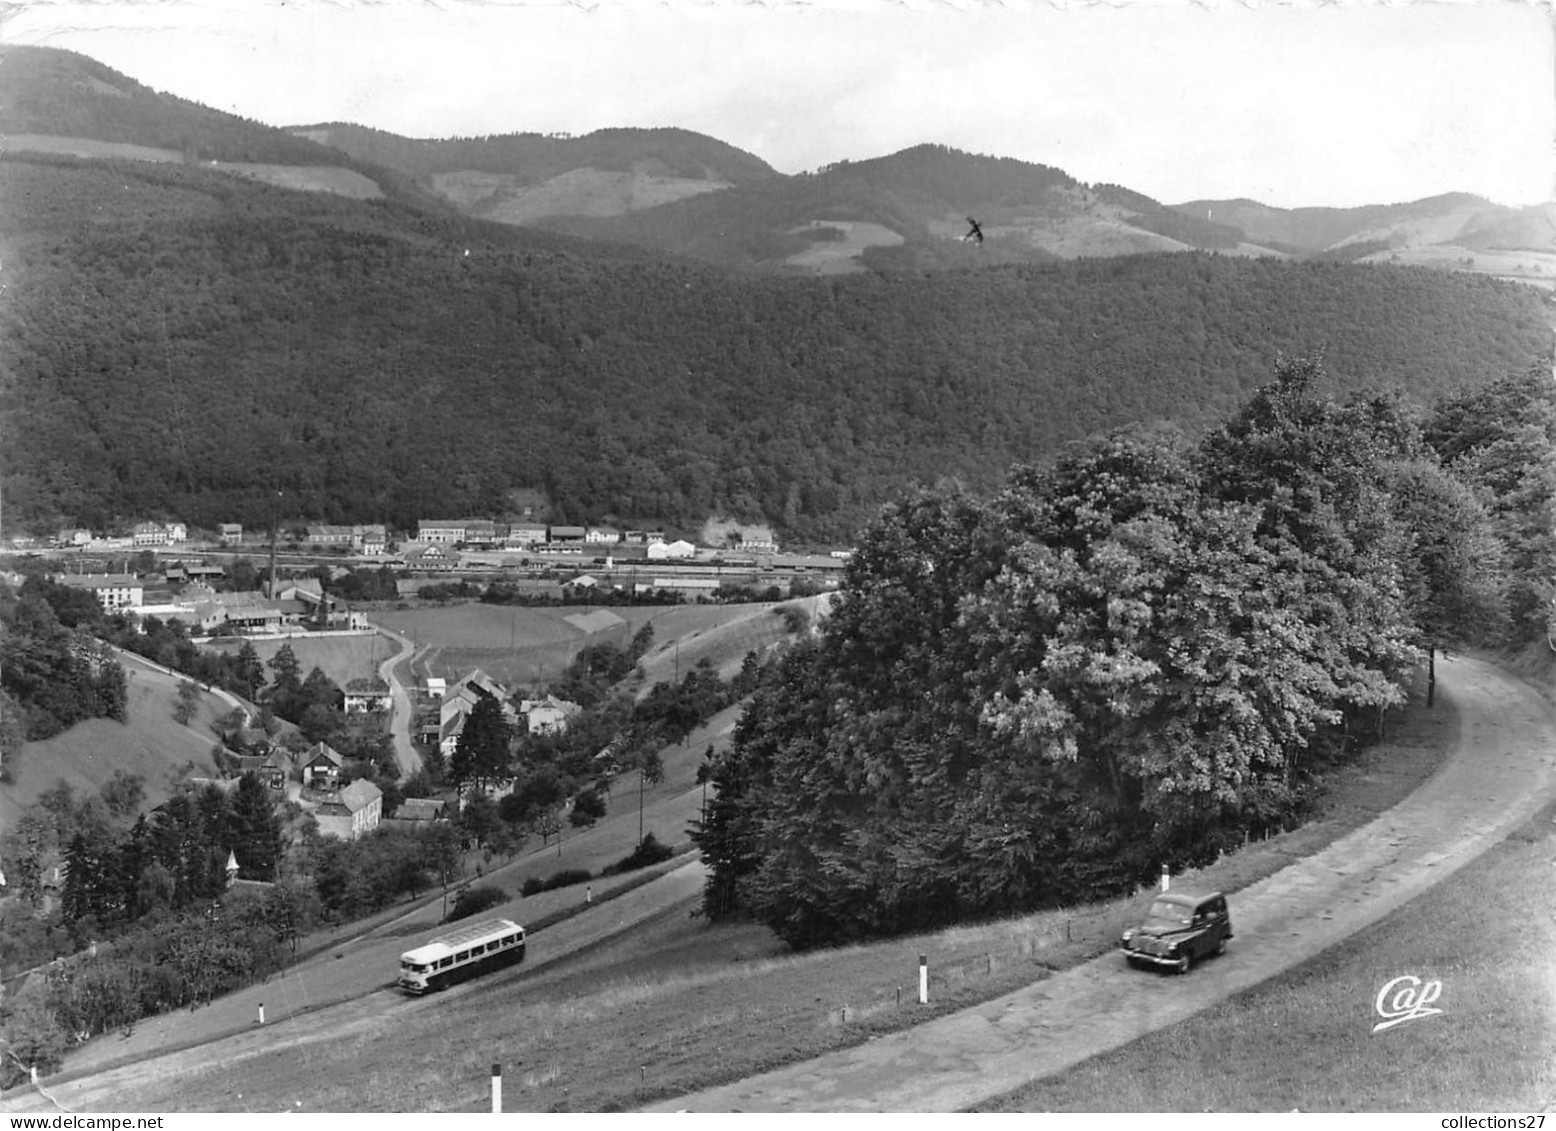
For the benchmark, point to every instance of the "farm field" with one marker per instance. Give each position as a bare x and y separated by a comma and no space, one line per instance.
526,646
342,658
152,744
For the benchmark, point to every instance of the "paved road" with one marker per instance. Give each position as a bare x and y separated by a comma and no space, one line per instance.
1502,771
353,976
403,715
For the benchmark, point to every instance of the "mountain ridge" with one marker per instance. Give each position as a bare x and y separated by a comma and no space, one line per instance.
186,343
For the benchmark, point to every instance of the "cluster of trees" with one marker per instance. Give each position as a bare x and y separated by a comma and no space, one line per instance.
171,860
1136,655
152,900
658,389
183,960
53,672
549,769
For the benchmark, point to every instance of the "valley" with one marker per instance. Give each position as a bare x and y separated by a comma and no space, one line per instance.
1124,543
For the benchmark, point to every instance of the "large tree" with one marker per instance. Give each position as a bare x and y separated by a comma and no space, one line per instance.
483,751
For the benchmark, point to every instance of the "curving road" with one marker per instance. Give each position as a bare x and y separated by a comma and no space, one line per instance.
403,714
1501,772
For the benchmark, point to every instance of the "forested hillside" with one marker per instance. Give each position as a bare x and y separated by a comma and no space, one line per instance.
533,158
180,343
1128,659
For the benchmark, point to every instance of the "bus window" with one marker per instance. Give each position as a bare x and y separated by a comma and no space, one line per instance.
508,940
443,962
461,956
478,948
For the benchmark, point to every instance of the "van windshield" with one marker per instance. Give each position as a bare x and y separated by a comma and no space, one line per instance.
1166,910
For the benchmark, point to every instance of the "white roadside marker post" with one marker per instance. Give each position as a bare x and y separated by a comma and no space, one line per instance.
1166,878
496,1089
923,979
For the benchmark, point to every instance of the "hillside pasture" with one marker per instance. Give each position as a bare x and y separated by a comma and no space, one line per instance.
578,192
90,147
152,744
683,638
308,178
839,254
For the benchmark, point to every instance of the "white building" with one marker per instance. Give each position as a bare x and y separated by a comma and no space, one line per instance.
112,590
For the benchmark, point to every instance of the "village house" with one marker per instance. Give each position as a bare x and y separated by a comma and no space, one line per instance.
144,534
549,715
602,534
659,551
321,766
353,813
324,534
460,699
430,559
371,540
250,612
364,695
444,532
419,811
112,590
565,534
273,768
481,532
74,537
229,533
525,534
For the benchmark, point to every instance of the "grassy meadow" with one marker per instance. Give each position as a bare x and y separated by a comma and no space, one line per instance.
527,646
151,743
342,658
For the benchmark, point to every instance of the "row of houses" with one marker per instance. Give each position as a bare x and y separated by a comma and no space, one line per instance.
346,812
204,609
547,715
141,536
369,540
482,532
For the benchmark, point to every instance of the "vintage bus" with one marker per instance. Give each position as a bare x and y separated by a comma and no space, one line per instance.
461,953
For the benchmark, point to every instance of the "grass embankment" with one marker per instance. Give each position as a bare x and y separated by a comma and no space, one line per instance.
1305,1039
683,1005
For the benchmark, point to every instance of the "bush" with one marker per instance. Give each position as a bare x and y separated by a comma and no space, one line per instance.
588,807
533,886
649,851
473,900
567,877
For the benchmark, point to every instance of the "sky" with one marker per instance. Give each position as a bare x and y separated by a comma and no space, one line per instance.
1291,105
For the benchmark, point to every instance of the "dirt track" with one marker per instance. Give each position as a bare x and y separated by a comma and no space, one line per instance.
1501,772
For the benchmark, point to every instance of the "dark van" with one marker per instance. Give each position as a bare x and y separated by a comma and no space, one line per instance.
1179,930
